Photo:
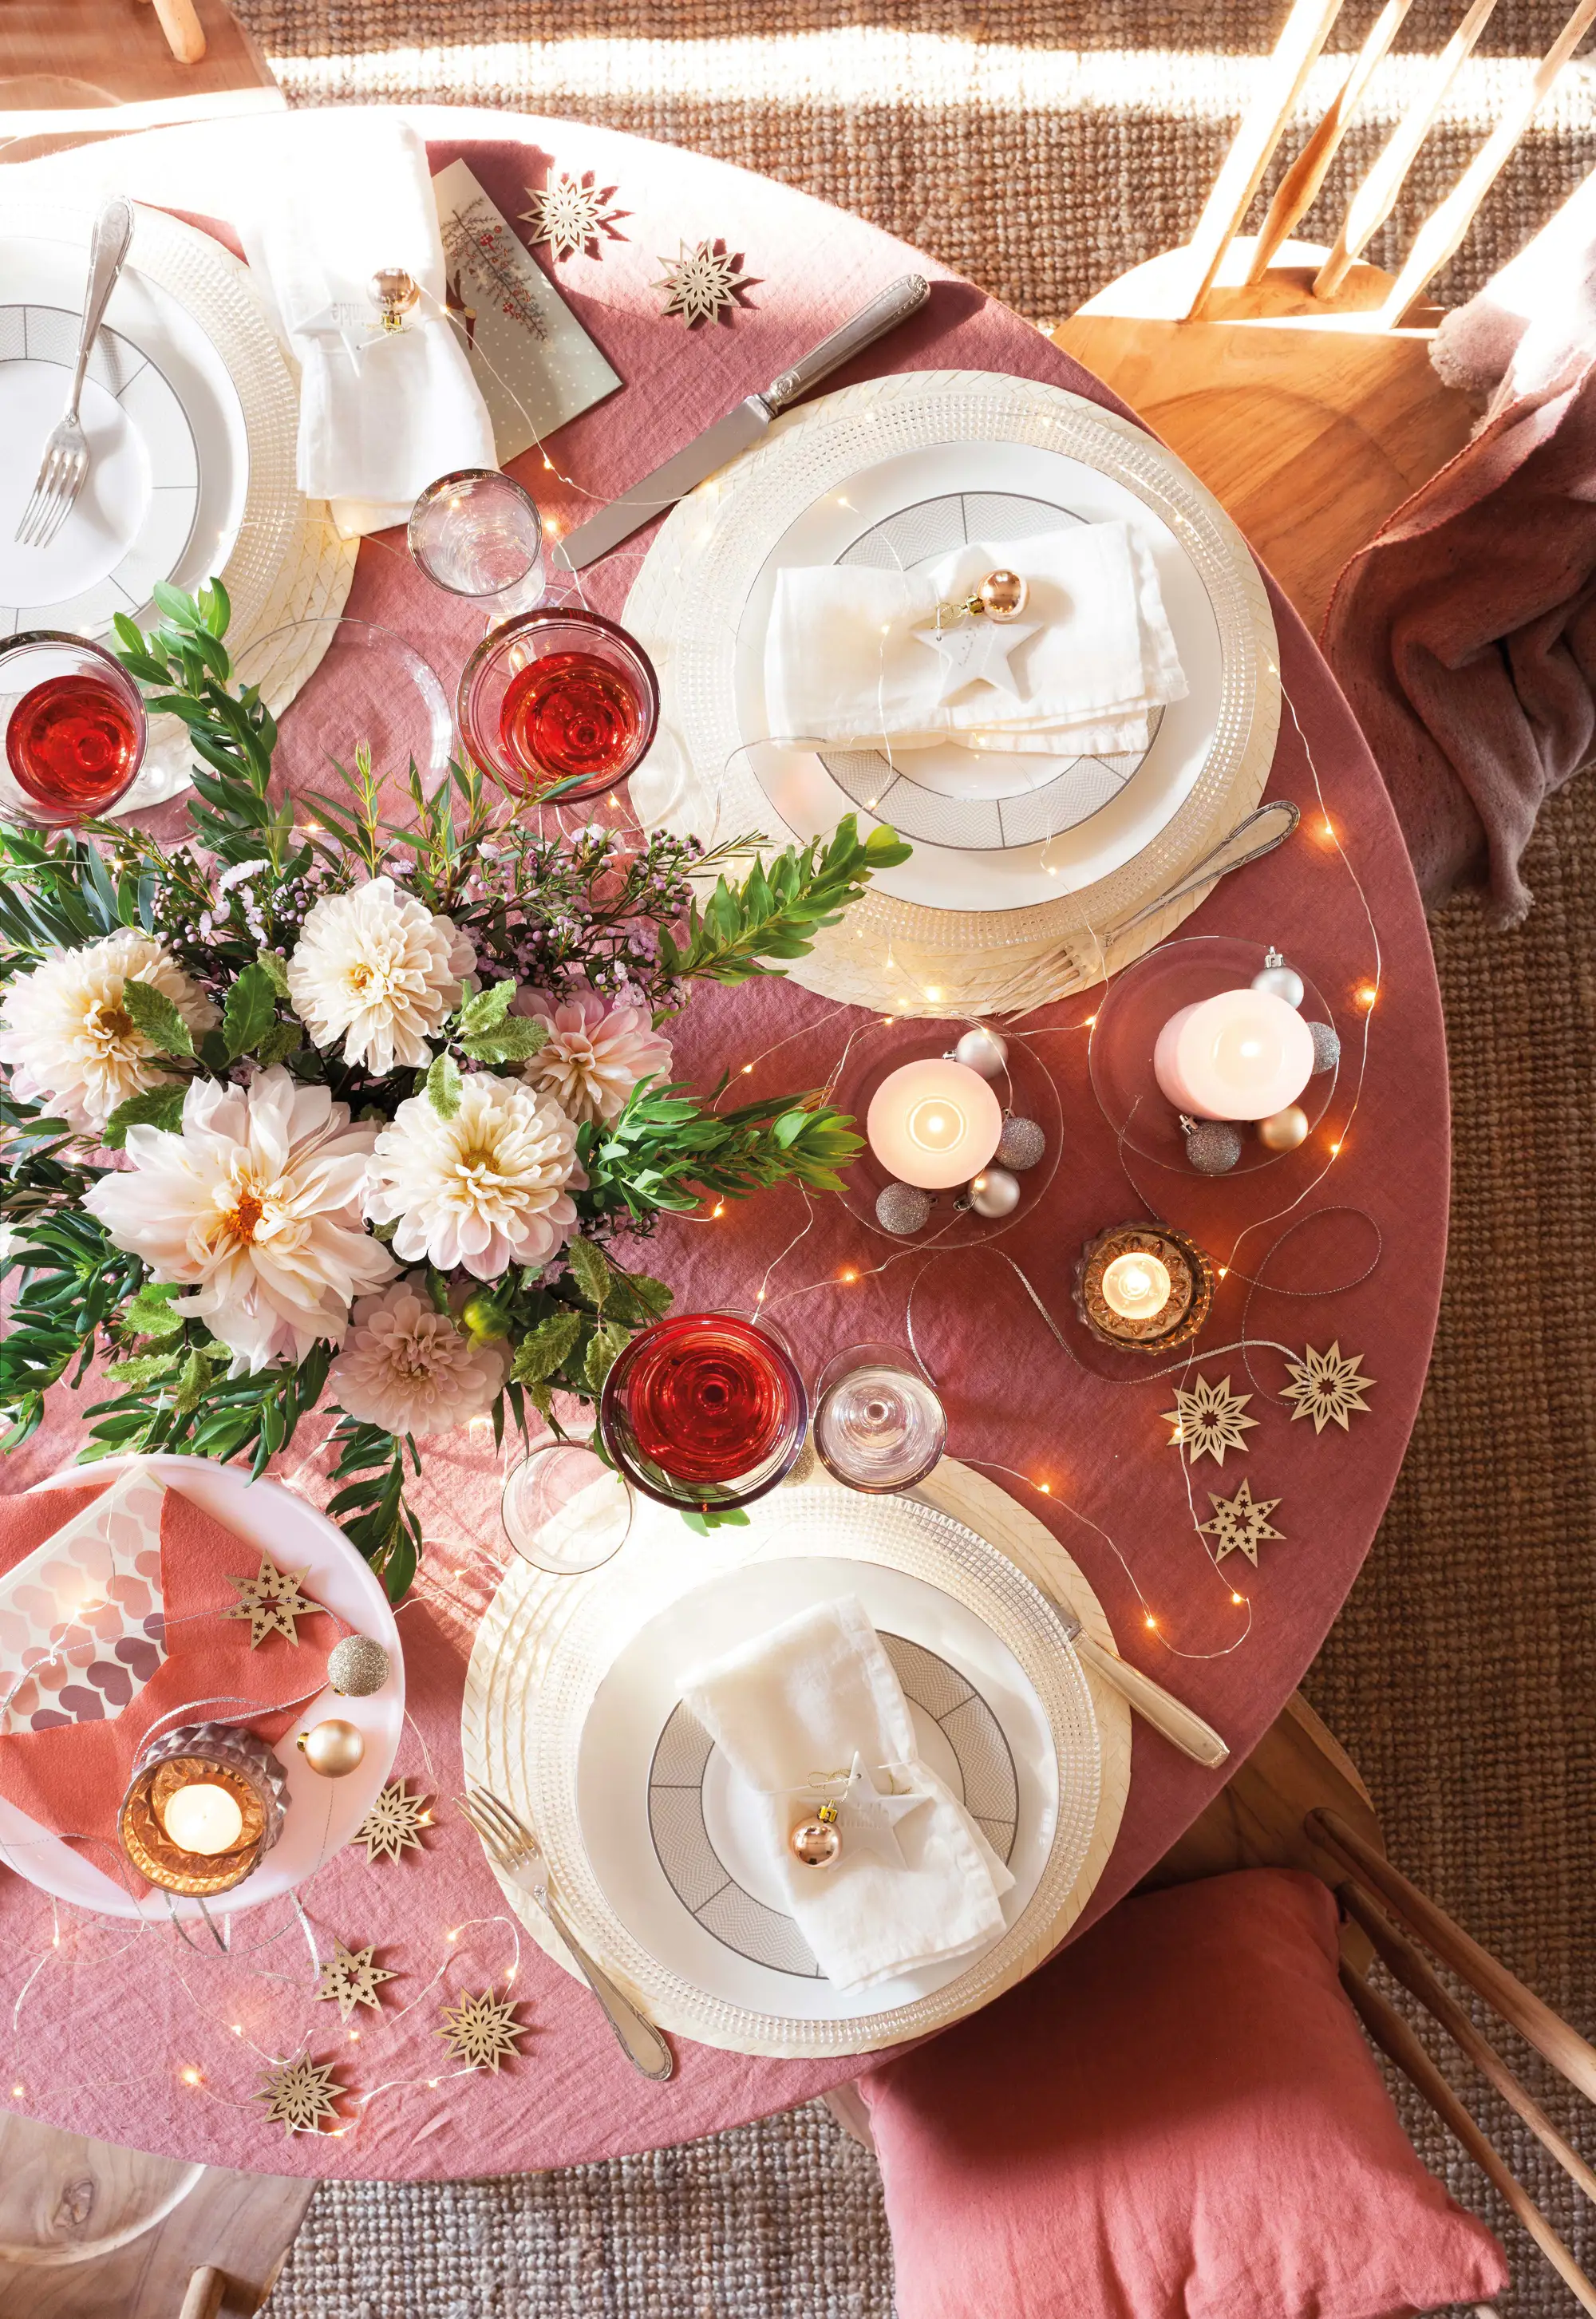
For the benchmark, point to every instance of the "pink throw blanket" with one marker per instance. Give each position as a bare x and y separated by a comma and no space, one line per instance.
1465,633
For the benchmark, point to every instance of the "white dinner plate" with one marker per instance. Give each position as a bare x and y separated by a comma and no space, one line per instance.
168,471
671,1831
323,1814
647,1832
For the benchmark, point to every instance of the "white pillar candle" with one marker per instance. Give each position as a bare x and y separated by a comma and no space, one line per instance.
935,1123
1136,1285
1241,1055
204,1818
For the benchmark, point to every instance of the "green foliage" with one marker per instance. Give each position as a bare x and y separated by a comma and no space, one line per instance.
250,1011
777,913
664,1152
153,1013
443,1084
157,1107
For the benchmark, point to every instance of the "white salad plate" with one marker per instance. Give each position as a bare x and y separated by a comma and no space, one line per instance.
1024,870
323,1814
168,469
574,1715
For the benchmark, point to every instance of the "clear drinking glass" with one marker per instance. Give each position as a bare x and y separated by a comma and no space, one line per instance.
478,533
564,1510
879,1422
72,730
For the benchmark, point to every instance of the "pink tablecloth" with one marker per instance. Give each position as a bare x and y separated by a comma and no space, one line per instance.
108,2020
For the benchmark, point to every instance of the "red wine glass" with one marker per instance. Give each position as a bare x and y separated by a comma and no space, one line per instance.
558,701
704,1411
74,729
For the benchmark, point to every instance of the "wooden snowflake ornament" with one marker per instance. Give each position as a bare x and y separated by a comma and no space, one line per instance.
1240,1524
298,2094
393,1824
349,1978
1208,1421
572,213
702,283
271,1602
1327,1387
482,2030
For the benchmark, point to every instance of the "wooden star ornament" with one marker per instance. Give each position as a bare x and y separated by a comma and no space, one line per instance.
298,2094
572,213
271,1602
482,2030
1208,1421
1240,1524
349,1978
393,1824
1328,1386
702,283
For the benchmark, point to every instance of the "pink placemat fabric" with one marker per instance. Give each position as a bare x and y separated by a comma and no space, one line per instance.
112,2015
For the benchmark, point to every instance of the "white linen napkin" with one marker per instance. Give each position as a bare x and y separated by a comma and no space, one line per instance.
381,416
847,657
805,1699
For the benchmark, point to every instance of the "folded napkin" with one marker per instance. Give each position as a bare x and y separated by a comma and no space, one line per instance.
381,416
86,1676
851,654
806,1698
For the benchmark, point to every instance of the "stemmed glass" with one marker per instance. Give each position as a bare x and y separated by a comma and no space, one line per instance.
704,1411
879,1422
564,1510
558,703
74,729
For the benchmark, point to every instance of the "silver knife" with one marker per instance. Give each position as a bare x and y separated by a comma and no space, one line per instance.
1180,1726
738,430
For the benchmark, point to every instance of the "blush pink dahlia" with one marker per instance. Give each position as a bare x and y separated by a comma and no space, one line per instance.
598,1050
407,1367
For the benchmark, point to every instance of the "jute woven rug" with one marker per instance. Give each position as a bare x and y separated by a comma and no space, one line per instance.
1041,152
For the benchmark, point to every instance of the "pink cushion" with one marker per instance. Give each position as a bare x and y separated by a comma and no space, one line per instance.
1178,2118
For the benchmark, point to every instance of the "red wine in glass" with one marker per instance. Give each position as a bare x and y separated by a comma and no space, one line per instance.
73,744
707,1402
572,716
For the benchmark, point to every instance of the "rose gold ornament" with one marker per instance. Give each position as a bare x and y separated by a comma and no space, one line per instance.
1283,1131
1003,595
817,1843
396,295
333,1748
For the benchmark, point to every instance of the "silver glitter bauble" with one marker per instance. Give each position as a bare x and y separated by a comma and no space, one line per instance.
902,1208
1280,980
1327,1046
1021,1144
982,1051
357,1666
994,1193
1212,1146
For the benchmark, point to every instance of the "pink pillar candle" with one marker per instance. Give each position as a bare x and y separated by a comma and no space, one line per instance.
1241,1055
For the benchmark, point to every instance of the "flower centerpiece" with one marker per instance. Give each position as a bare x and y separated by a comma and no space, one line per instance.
339,1105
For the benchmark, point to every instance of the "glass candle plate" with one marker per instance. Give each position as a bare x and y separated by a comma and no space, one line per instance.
1135,1007
369,687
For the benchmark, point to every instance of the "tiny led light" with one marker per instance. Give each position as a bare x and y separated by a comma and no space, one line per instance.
1151,1620
848,1273
746,1068
16,2093
190,2075
1234,1596
1046,1488
1367,994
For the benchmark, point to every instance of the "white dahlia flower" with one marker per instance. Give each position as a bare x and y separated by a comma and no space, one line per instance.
379,971
407,1367
69,1041
485,1189
598,1050
254,1204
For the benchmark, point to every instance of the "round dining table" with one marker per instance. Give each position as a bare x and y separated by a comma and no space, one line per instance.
156,2036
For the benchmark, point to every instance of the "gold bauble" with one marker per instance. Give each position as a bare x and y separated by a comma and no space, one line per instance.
332,1748
1283,1131
357,1666
395,295
1003,595
815,1843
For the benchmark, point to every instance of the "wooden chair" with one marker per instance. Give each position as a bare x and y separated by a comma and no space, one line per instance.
1293,377
88,2231
74,70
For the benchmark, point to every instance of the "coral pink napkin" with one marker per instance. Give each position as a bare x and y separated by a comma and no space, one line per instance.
71,1778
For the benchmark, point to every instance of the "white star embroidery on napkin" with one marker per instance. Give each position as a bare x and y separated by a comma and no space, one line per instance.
976,651
869,1818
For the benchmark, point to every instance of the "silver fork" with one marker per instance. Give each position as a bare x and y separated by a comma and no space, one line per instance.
510,1843
66,458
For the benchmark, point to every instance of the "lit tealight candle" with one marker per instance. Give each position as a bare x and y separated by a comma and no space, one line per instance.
204,1819
935,1123
1244,1054
1136,1285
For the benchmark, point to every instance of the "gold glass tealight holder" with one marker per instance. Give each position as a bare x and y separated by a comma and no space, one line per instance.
202,1805
1144,1288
